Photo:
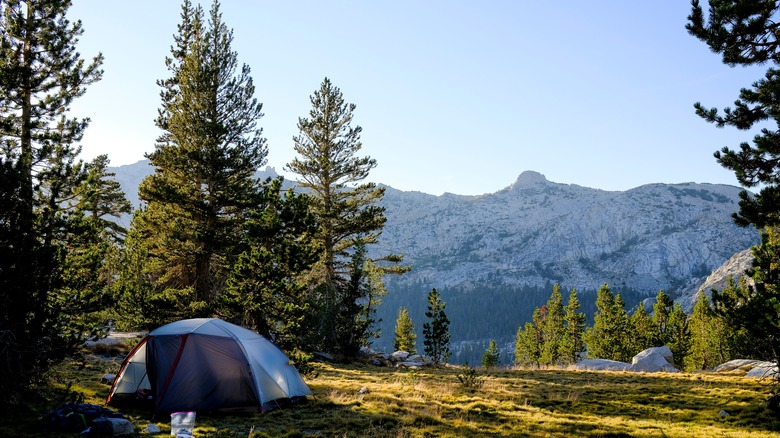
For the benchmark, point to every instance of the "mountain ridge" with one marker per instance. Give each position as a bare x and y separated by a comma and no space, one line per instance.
495,256
534,231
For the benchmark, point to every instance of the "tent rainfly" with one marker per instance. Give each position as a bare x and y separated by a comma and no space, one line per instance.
207,364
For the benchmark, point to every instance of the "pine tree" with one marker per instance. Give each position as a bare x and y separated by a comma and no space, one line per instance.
405,338
745,33
264,290
662,309
92,263
678,335
714,337
100,196
436,332
643,330
703,354
492,356
553,328
348,213
607,339
203,186
753,323
529,341
572,345
41,320
731,313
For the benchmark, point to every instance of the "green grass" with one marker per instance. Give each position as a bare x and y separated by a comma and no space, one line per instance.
434,402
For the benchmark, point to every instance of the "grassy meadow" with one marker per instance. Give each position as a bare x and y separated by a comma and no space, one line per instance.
451,402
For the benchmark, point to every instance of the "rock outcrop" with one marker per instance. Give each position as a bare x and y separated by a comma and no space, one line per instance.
735,267
400,359
751,368
652,360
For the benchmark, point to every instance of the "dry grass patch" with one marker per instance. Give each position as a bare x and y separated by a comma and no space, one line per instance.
434,402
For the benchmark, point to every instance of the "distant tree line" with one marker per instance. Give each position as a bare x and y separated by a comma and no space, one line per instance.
557,334
472,311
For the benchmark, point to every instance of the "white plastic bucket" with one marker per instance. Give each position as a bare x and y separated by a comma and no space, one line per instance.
182,423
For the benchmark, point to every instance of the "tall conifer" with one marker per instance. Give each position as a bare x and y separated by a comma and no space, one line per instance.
643,330
678,335
553,328
264,291
437,331
662,309
203,186
745,33
607,338
42,74
349,215
572,345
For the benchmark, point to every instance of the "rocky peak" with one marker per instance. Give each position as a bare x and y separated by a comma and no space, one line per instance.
529,178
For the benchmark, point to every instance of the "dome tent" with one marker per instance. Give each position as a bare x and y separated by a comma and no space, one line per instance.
206,364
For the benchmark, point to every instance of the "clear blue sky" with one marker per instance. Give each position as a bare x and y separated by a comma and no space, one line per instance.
453,96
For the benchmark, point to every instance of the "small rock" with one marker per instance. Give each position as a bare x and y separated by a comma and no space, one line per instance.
723,413
118,426
601,365
322,356
366,351
363,390
152,428
108,378
414,358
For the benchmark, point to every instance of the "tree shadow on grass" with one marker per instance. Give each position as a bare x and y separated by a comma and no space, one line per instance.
689,400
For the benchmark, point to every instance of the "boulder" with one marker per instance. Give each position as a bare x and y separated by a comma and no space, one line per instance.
112,426
601,365
652,363
751,368
737,365
415,358
321,356
399,356
653,360
763,369
664,352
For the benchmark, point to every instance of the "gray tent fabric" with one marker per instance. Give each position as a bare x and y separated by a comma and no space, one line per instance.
207,364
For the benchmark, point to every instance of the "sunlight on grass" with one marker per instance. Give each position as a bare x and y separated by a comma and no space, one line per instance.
428,402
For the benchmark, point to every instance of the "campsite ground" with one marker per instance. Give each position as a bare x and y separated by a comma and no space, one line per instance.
451,402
